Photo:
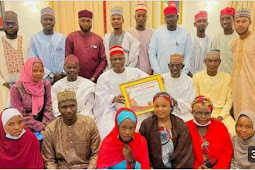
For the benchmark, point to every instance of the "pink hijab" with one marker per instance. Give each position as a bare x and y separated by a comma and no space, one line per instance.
35,89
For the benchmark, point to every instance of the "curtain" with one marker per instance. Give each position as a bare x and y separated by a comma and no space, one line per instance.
245,4
66,14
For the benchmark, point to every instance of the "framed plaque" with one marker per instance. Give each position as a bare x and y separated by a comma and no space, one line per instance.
139,94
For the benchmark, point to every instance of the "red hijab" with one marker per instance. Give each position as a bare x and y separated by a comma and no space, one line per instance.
22,153
110,152
36,89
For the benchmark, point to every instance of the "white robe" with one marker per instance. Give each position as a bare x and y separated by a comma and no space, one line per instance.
183,91
85,95
107,88
200,48
130,44
4,75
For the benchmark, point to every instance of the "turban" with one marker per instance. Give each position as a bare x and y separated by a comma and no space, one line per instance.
125,113
117,10
141,7
176,58
170,10
201,100
85,13
243,12
213,54
201,15
66,95
48,11
10,15
228,11
71,58
116,50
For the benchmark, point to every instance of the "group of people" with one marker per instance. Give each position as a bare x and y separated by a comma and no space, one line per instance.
64,92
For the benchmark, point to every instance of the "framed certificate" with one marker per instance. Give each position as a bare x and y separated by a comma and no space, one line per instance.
139,94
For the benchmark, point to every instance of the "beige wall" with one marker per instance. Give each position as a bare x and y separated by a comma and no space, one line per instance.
29,15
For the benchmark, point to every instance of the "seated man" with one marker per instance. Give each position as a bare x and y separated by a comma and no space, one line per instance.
83,88
216,85
180,86
72,141
107,96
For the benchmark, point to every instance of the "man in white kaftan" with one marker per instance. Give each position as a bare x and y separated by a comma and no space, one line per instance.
201,43
169,39
223,39
122,38
181,87
83,88
108,97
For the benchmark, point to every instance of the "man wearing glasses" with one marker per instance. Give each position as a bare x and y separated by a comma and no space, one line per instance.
180,86
217,86
13,53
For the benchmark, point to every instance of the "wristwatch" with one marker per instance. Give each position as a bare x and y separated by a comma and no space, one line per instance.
51,75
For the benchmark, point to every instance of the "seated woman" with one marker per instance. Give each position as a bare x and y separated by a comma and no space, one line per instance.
245,127
211,141
123,148
31,95
168,136
19,147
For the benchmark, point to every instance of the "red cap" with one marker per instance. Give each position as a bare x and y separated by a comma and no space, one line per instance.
85,13
200,15
170,10
228,11
116,50
71,59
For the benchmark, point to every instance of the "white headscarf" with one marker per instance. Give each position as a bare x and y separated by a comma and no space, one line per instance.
7,115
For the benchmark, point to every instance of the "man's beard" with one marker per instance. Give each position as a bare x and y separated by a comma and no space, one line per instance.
14,33
201,29
87,30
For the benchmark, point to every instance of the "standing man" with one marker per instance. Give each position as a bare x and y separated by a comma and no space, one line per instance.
243,49
49,46
180,86
108,97
223,39
143,34
167,40
13,54
88,47
72,141
122,38
201,43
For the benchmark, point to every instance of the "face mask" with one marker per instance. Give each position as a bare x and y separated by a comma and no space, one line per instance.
198,124
14,137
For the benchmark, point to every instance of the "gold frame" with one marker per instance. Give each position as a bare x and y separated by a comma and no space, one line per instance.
162,21
123,87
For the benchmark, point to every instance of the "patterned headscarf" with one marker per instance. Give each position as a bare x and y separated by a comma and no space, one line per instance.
165,95
201,100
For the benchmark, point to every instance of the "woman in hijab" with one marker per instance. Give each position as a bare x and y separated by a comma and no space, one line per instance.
123,148
168,136
31,95
19,147
245,138
210,138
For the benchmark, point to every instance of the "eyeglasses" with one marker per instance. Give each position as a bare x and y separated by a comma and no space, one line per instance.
206,114
10,23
